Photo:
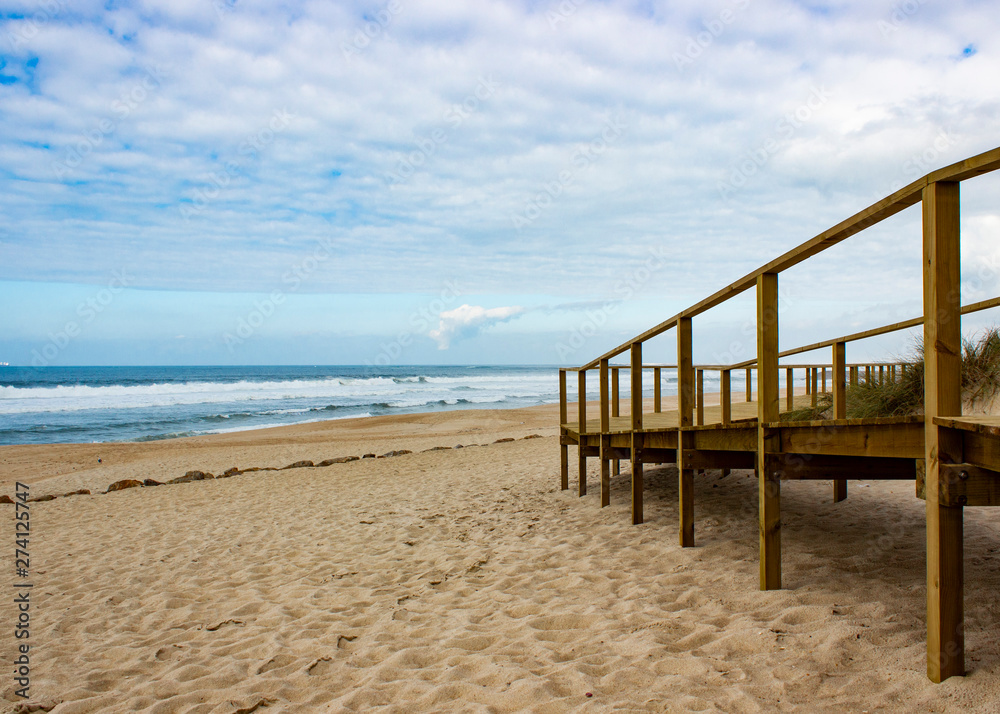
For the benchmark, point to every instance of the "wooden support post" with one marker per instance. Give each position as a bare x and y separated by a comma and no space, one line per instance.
636,418
943,397
635,373
726,400
726,395
636,478
808,380
685,417
582,416
854,375
815,386
823,387
881,374
700,397
789,390
657,398
749,384
839,388
868,374
769,483
605,436
563,448
615,408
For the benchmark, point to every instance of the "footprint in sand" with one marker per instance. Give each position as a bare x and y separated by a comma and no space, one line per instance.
277,662
324,665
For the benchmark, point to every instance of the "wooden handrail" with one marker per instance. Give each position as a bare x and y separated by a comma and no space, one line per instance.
877,212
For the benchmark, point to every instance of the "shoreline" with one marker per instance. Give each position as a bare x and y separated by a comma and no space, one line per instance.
65,467
68,467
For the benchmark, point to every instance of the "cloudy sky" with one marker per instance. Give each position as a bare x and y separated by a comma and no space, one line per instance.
498,181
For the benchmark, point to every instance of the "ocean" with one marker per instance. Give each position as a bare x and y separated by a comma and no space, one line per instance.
97,404
50,405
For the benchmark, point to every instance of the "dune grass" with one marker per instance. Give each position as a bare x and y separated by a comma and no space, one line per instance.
905,395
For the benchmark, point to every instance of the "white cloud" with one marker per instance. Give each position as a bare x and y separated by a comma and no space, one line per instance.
229,66
468,320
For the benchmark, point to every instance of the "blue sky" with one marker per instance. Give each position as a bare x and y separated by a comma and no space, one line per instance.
422,181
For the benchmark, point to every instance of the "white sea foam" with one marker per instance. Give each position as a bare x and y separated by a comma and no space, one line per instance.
335,391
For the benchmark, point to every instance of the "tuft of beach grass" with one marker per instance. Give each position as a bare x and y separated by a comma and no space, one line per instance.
904,395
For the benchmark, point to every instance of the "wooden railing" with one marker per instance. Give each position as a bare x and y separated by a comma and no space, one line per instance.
938,192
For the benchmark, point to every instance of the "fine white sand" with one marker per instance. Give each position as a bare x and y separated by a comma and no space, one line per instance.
465,580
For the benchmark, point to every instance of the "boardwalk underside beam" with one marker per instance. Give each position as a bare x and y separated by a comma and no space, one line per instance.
899,439
703,459
968,485
821,467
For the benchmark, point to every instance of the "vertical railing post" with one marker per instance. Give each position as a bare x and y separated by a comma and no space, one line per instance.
726,395
808,381
657,396
726,400
815,386
822,389
750,384
563,446
769,483
789,388
942,397
700,397
615,408
582,416
685,417
839,388
636,429
605,436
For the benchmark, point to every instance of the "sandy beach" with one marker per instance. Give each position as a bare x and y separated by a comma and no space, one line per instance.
465,580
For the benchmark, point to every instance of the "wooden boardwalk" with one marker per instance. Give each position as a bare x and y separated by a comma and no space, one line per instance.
954,460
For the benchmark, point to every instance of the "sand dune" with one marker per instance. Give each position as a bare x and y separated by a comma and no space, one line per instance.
464,580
